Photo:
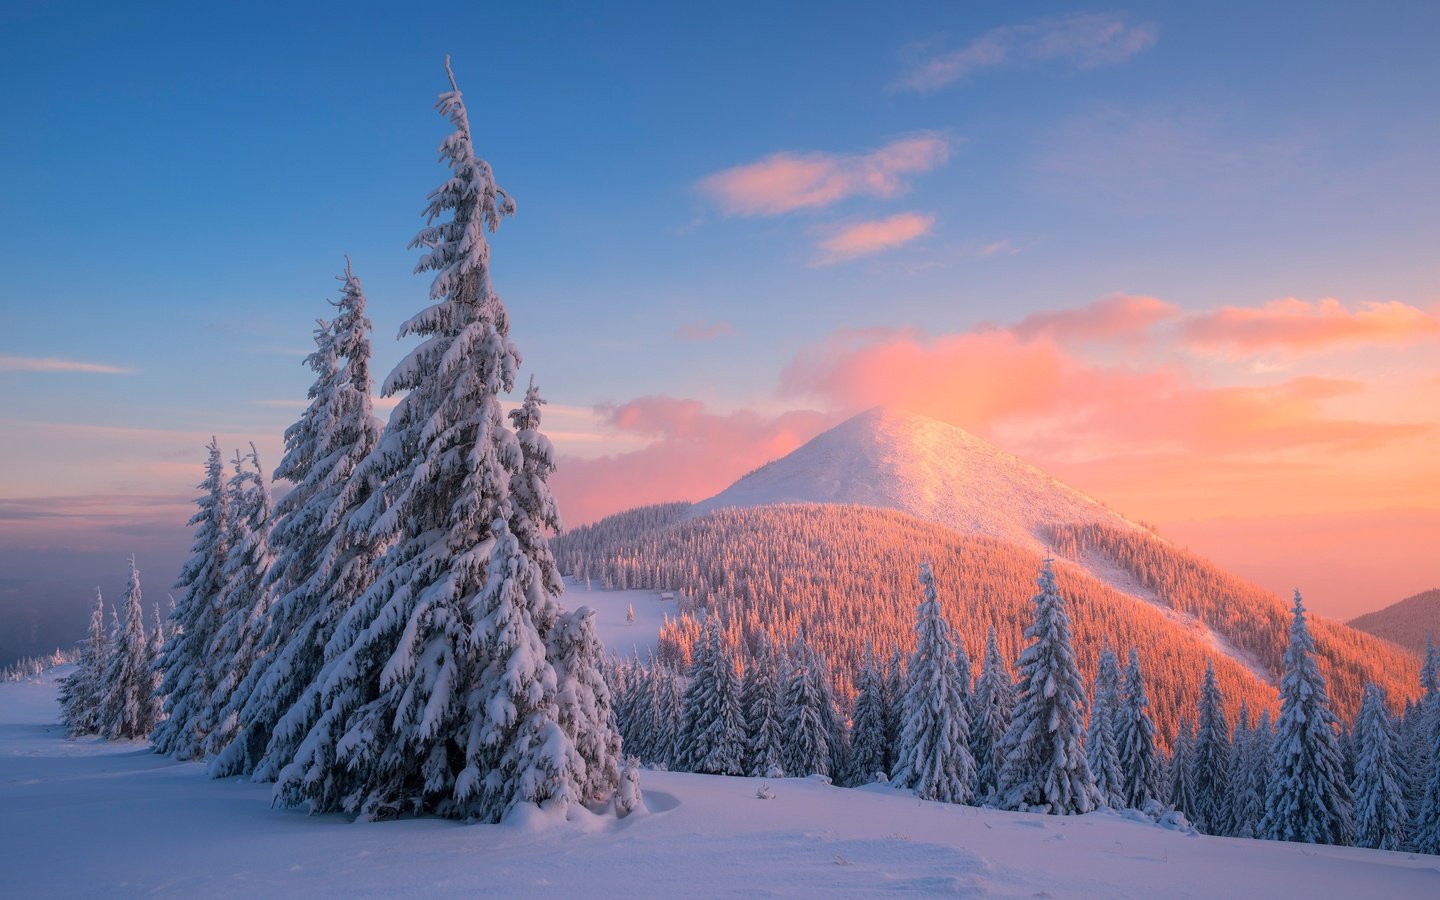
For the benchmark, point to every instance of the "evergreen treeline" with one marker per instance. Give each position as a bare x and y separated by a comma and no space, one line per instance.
1035,741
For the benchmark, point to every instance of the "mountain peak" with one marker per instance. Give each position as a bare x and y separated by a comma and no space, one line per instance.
896,459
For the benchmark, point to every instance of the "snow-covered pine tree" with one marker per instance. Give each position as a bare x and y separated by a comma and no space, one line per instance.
585,711
1045,766
321,564
837,734
188,677
1210,766
806,739
245,601
1247,796
1380,814
1308,799
1101,748
1139,759
713,730
129,708
760,699
156,648
1423,771
1180,771
990,706
894,700
82,691
868,747
935,758
440,680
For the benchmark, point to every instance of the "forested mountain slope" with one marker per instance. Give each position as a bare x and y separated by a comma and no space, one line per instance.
1407,623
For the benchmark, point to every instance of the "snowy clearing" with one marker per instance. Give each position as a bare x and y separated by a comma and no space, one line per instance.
86,818
621,638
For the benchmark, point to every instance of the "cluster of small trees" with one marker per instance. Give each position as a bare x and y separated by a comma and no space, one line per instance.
113,691
27,667
1037,742
388,638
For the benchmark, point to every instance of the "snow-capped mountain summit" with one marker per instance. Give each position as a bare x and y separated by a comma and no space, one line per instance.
932,470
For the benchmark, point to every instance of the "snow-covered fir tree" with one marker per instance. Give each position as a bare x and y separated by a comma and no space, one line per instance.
990,706
189,678
245,601
440,683
321,563
1247,785
1180,770
713,729
1045,766
82,691
760,700
584,702
1423,725
868,747
894,700
1135,733
1308,799
935,758
1101,747
129,708
1210,766
807,739
1381,818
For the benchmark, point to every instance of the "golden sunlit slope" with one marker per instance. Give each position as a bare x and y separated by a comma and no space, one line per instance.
1407,622
830,539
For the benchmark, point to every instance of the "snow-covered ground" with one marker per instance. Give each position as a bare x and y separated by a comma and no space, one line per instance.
90,818
619,636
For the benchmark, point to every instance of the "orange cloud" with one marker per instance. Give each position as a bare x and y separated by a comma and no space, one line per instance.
53,364
784,182
1297,326
865,238
1120,315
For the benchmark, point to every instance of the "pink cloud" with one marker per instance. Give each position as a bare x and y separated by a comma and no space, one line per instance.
866,238
1120,315
1298,326
1081,41
693,453
704,331
784,182
53,364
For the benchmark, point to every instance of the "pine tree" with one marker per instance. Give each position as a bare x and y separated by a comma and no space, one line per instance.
1308,799
1380,814
1101,750
806,739
1139,758
129,708
1213,811
1045,766
82,691
713,733
935,758
439,695
245,600
188,677
894,700
1247,787
1423,773
1180,773
584,702
868,747
321,563
991,705
760,700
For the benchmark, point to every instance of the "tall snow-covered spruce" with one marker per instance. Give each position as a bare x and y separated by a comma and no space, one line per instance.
129,709
935,758
1308,798
442,687
188,676
82,691
1045,766
321,563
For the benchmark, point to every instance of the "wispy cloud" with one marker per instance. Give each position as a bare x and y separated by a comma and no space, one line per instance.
1081,41
784,182
866,238
704,331
1296,326
54,364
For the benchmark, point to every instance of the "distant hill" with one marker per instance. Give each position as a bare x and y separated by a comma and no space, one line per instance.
829,540
1405,623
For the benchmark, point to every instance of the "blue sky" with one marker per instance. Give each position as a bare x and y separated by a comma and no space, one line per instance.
180,182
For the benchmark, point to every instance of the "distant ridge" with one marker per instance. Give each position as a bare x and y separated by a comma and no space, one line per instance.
892,459
1405,623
